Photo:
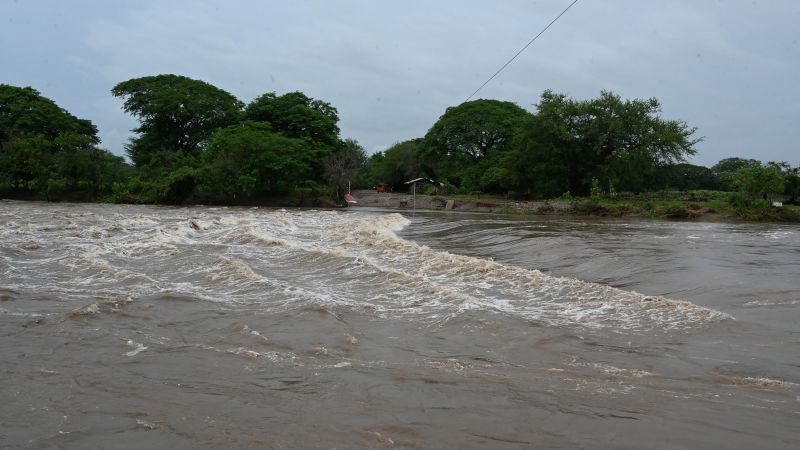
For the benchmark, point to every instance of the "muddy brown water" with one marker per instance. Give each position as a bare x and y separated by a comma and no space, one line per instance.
154,327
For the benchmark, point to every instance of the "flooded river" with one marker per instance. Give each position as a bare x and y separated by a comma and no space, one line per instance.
205,328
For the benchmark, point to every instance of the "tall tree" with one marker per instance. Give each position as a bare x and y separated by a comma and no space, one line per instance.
342,166
727,166
467,138
756,180
177,116
25,111
686,176
792,188
46,152
398,164
619,142
297,115
730,165
248,161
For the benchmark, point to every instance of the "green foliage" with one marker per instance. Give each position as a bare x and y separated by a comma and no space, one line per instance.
569,142
297,115
248,161
724,168
730,165
677,212
792,187
46,152
509,209
197,143
310,193
466,142
24,111
686,177
755,180
429,189
595,191
588,206
397,164
177,117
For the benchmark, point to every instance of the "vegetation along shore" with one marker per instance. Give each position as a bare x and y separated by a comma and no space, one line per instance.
198,144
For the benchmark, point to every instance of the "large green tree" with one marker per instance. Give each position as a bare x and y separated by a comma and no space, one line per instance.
757,180
398,164
249,161
297,115
468,139
685,176
46,152
727,166
569,142
177,117
792,187
24,111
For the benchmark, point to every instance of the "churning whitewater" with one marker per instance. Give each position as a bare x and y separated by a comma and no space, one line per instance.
281,259
203,328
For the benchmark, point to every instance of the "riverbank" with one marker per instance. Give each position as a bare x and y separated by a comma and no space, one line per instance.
688,208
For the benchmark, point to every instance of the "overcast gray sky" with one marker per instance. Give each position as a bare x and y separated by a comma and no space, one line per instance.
729,68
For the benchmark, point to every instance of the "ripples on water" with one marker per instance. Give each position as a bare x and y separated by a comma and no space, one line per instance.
210,327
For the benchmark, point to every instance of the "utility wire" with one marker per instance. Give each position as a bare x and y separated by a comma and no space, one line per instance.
521,50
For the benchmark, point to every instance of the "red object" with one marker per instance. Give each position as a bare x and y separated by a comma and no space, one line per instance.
350,199
383,187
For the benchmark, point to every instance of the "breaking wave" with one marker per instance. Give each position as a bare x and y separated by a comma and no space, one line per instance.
285,260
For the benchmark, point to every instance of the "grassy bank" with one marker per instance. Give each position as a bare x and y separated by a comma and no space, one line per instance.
693,205
716,209
706,205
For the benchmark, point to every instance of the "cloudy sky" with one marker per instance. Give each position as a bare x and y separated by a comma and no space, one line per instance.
730,68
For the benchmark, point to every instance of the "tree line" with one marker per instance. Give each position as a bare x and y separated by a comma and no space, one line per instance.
197,143
570,147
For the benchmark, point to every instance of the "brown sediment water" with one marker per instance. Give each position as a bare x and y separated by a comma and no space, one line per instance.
152,327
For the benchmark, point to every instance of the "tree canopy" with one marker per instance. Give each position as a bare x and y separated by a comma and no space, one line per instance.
756,180
177,115
467,138
47,152
397,164
198,143
568,142
297,115
249,160
24,111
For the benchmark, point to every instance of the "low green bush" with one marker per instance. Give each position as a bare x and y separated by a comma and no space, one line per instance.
678,212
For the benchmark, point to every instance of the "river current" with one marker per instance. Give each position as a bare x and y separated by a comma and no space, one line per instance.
158,327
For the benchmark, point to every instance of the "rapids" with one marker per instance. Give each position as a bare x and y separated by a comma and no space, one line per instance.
141,326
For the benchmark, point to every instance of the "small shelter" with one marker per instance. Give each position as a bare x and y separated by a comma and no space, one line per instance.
418,183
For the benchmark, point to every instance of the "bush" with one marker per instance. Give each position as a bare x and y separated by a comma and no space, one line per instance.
310,193
589,206
509,208
428,189
678,212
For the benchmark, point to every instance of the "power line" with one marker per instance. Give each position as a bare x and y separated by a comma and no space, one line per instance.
522,50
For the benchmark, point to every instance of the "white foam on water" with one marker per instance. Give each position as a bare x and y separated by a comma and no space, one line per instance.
457,283
291,259
138,348
763,382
